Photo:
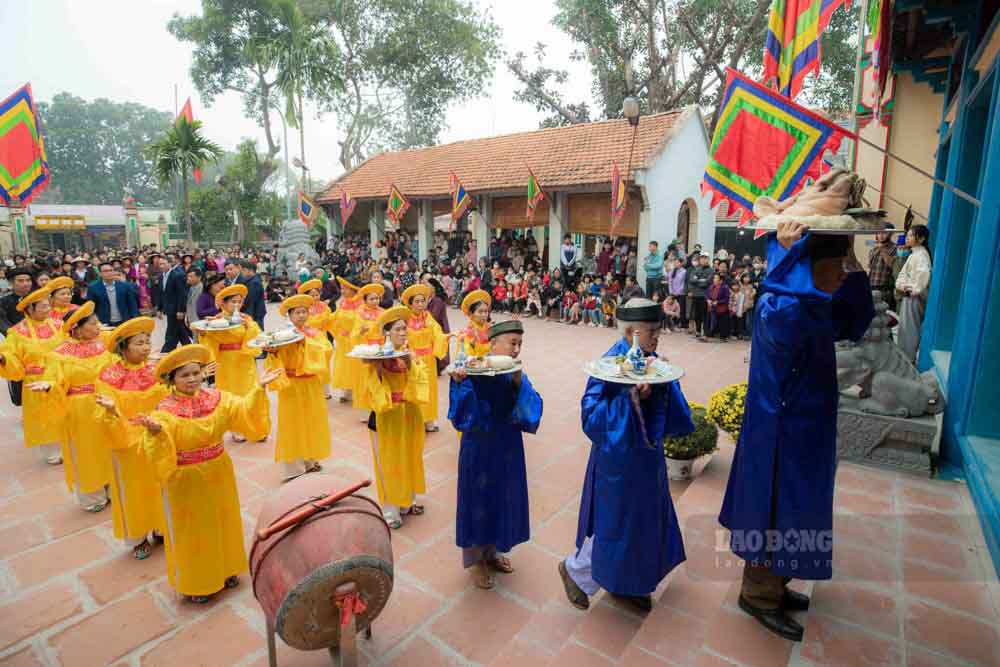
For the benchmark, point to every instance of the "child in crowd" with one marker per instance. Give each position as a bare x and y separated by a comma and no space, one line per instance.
533,305
592,314
671,313
609,304
519,296
568,301
501,299
746,295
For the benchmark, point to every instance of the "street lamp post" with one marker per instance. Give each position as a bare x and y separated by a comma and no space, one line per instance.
288,190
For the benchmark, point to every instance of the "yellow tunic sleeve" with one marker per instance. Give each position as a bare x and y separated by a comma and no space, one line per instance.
342,321
160,448
54,372
249,415
250,331
358,331
119,433
440,340
211,341
417,383
379,390
276,362
313,357
12,349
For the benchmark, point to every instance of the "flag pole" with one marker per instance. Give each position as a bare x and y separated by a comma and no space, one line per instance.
177,180
856,93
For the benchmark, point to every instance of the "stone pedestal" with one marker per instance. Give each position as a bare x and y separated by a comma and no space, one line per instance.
909,444
293,240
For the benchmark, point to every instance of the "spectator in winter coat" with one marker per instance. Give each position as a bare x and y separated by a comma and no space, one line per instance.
698,279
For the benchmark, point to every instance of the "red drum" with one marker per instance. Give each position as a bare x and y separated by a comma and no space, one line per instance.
318,560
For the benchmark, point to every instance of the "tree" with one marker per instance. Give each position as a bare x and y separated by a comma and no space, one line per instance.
833,90
95,149
178,154
665,54
262,50
241,185
404,62
211,214
306,59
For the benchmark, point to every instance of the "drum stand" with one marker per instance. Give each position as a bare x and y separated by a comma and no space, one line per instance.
345,653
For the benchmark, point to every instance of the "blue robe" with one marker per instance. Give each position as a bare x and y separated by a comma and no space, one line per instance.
492,481
783,470
626,505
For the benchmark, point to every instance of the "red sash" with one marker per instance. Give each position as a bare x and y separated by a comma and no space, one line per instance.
193,456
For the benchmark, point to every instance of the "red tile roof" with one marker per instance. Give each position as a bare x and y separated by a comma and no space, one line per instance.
562,157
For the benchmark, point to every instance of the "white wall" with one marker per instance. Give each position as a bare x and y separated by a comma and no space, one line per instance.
674,177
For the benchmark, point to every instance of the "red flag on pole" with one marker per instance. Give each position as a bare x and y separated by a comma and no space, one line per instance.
619,197
188,115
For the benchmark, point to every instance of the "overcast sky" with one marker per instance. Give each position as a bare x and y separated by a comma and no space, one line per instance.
121,50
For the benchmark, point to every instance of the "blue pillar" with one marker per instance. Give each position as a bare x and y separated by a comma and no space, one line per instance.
981,271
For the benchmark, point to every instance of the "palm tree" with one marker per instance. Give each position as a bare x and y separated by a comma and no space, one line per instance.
306,60
178,154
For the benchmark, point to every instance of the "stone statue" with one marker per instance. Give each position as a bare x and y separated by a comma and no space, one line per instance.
293,240
890,383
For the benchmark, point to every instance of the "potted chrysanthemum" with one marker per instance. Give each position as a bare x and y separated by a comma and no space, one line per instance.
725,408
687,456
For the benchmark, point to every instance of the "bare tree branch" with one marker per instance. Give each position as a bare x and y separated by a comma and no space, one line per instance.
539,92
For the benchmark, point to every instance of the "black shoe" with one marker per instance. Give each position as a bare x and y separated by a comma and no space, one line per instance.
775,620
576,596
642,603
794,601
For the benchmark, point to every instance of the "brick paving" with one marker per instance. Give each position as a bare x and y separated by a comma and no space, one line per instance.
913,584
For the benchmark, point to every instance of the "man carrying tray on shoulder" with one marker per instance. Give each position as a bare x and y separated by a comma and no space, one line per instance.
779,500
627,539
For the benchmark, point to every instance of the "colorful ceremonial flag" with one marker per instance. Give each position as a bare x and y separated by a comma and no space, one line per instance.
24,171
764,144
347,205
460,198
188,115
879,22
791,49
535,194
397,205
307,209
619,197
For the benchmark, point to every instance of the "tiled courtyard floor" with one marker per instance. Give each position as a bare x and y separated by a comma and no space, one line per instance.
913,585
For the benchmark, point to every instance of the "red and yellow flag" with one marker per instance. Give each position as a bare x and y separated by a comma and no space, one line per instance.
187,114
397,204
535,194
24,170
619,197
791,50
461,200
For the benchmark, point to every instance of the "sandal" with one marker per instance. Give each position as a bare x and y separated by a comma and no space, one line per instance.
431,428
415,510
574,593
199,599
501,564
142,550
315,467
239,438
232,582
484,578
94,509
395,524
